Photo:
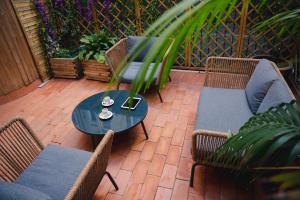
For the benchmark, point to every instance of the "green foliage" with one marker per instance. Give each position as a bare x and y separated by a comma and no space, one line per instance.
289,184
267,139
64,53
287,21
93,46
180,23
65,23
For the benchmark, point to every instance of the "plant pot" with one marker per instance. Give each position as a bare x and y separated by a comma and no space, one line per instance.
66,68
96,71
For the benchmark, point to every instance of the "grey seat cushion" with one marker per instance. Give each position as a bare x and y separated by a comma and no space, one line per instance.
259,84
277,94
13,191
224,110
132,40
54,171
132,71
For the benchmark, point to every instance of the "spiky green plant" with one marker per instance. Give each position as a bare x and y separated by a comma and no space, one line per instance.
267,139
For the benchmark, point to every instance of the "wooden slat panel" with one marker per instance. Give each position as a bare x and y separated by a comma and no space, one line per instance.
17,67
28,17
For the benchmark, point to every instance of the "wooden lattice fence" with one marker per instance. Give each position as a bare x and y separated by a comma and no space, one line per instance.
233,37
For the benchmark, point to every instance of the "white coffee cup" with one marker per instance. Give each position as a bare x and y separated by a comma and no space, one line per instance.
104,111
106,100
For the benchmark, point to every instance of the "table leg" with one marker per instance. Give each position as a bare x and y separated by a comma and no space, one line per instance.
145,131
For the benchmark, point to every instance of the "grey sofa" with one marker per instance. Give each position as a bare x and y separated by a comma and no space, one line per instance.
235,89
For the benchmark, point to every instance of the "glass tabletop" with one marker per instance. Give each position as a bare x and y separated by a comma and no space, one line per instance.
85,116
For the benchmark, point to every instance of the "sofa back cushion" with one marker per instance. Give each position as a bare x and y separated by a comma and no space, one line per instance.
13,191
277,94
260,82
132,40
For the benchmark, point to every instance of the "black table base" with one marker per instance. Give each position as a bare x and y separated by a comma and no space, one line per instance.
96,139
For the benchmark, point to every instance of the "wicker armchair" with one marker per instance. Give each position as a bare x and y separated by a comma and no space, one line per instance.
19,147
228,73
118,52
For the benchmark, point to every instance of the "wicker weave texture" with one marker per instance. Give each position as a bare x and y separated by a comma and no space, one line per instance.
18,148
90,177
232,73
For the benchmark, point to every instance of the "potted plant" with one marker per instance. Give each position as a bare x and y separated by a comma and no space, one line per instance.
64,64
91,53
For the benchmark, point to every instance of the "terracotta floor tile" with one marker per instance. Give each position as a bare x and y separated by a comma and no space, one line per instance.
157,165
133,191
196,197
155,133
163,194
111,196
173,155
138,144
131,160
114,164
186,149
148,150
122,181
140,171
181,190
161,120
149,188
168,176
178,137
189,132
169,129
103,188
184,168
163,145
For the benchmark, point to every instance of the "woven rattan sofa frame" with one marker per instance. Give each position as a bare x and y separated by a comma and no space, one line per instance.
228,73
19,146
115,55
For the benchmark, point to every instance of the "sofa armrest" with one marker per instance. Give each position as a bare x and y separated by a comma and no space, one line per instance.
233,73
205,143
19,146
116,54
92,174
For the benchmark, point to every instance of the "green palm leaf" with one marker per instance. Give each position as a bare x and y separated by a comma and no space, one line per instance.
267,139
180,24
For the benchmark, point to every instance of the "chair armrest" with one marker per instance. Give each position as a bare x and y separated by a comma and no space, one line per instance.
234,73
205,143
116,54
19,146
90,177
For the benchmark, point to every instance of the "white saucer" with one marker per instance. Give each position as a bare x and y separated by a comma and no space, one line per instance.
105,116
111,103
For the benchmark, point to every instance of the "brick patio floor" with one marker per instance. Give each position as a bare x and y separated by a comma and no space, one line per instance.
155,169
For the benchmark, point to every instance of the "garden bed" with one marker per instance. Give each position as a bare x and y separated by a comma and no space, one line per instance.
96,71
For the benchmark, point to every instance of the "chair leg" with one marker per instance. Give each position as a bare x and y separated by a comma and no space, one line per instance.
112,180
193,174
157,90
118,85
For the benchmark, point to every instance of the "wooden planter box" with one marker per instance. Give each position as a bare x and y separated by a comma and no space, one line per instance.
66,68
96,71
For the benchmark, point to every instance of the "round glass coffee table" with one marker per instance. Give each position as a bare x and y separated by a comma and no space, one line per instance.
85,116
